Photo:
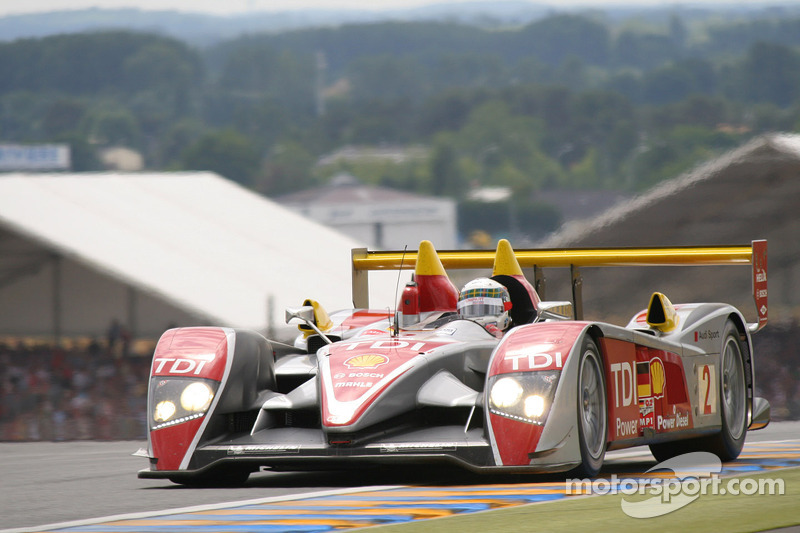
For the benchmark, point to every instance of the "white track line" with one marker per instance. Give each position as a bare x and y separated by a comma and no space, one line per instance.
258,501
198,508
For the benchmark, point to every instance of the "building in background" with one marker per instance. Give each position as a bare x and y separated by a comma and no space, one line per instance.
382,218
34,157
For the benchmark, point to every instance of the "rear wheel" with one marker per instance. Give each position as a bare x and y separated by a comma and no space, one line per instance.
592,413
728,443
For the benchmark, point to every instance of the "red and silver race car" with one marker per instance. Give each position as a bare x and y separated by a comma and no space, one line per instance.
536,390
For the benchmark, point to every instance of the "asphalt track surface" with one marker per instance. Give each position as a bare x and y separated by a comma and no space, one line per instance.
44,485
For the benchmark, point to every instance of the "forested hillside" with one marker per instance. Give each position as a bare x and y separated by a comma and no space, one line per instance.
568,101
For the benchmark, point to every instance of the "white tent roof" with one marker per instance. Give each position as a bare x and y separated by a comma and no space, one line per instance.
198,243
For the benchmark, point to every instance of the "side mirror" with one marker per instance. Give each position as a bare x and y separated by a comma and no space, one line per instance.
554,311
306,315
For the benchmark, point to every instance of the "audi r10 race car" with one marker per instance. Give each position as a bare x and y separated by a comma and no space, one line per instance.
542,391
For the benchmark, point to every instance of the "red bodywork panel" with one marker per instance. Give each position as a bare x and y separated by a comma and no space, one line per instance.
760,281
360,319
544,347
436,293
181,353
361,370
171,443
191,352
515,440
646,389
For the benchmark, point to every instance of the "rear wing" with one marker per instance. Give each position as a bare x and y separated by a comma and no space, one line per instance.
754,254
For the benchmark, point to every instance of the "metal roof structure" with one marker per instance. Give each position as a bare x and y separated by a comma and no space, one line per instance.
159,249
749,193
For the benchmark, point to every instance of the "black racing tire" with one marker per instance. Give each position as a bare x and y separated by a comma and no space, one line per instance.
732,387
728,443
592,411
667,450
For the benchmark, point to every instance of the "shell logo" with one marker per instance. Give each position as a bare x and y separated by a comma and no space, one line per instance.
657,378
372,360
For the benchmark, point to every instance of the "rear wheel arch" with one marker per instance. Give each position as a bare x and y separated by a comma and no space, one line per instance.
747,359
746,345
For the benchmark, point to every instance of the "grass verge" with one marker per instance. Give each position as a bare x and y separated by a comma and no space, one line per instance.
729,513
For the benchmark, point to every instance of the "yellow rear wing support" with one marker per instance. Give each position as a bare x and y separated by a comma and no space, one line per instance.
754,254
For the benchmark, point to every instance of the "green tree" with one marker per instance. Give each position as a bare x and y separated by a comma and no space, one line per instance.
176,140
667,84
505,150
445,174
677,151
555,38
288,168
771,73
387,77
114,127
255,72
83,156
643,50
62,116
161,64
225,152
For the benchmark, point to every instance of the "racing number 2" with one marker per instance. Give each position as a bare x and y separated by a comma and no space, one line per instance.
707,389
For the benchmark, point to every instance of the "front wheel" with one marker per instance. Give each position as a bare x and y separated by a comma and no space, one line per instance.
592,412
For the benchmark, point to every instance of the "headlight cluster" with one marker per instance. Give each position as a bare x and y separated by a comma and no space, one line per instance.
525,397
179,400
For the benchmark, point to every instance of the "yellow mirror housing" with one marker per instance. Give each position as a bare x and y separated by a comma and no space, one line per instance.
661,314
321,318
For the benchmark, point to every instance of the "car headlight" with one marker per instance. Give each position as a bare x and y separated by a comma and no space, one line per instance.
525,397
534,406
196,397
175,401
506,392
164,411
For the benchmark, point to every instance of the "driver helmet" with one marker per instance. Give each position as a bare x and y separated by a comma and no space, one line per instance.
487,302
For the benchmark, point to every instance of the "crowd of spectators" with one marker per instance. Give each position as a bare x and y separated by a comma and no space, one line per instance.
97,392
777,367
78,393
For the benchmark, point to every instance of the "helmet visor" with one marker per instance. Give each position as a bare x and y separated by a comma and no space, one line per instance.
476,303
